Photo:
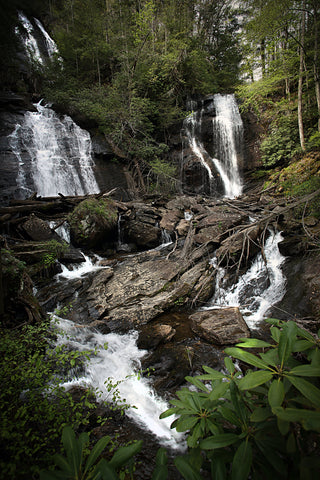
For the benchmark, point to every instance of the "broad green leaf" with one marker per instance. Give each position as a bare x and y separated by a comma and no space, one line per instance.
311,392
229,364
305,371
309,419
229,415
187,471
314,357
242,461
160,472
283,425
197,383
183,405
306,335
211,374
218,469
253,379
260,414
185,423
286,342
271,357
238,404
246,357
253,343
291,443
276,393
219,391
106,470
219,441
273,321
275,334
272,455
168,413
123,454
96,452
62,463
161,456
301,345
72,448
192,440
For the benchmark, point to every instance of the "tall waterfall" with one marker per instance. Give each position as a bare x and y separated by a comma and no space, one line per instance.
219,147
227,135
54,155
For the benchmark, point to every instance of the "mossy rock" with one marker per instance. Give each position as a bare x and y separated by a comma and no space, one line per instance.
93,223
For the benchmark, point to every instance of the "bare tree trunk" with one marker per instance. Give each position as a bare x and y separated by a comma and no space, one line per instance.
316,59
300,85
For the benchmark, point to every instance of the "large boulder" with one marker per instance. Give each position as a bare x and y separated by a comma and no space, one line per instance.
93,223
141,226
221,326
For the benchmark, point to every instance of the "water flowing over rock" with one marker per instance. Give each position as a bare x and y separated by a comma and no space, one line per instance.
53,155
213,147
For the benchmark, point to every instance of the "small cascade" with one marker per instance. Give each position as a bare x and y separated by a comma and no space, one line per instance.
260,288
119,359
218,148
227,141
54,155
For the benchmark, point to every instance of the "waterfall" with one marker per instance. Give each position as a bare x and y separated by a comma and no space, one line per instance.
28,39
227,134
193,127
219,151
54,155
256,291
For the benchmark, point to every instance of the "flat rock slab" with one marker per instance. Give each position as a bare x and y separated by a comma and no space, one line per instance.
221,326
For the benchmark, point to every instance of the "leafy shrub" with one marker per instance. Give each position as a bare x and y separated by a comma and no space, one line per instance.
34,408
262,424
82,464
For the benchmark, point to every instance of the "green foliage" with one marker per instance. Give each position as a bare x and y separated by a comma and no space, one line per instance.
34,408
82,464
54,250
281,144
261,424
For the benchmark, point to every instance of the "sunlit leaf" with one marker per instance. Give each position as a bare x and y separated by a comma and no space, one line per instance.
246,357
123,454
253,379
286,342
197,383
185,423
276,393
306,371
219,391
253,343
229,364
307,389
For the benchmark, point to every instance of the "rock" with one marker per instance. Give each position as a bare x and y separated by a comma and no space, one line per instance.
36,229
239,247
141,226
93,223
221,327
152,336
183,228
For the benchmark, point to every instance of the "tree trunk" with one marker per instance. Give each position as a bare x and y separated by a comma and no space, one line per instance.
300,85
316,60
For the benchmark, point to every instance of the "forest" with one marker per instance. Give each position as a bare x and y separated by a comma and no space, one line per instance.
126,70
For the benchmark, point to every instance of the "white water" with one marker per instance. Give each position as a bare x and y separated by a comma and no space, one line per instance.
227,142
28,39
81,269
192,123
58,154
227,131
261,287
121,361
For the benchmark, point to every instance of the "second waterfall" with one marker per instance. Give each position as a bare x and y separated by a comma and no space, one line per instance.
213,144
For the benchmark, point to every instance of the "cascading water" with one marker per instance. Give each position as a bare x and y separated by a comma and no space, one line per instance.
193,128
119,361
261,287
222,153
54,155
28,39
227,134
